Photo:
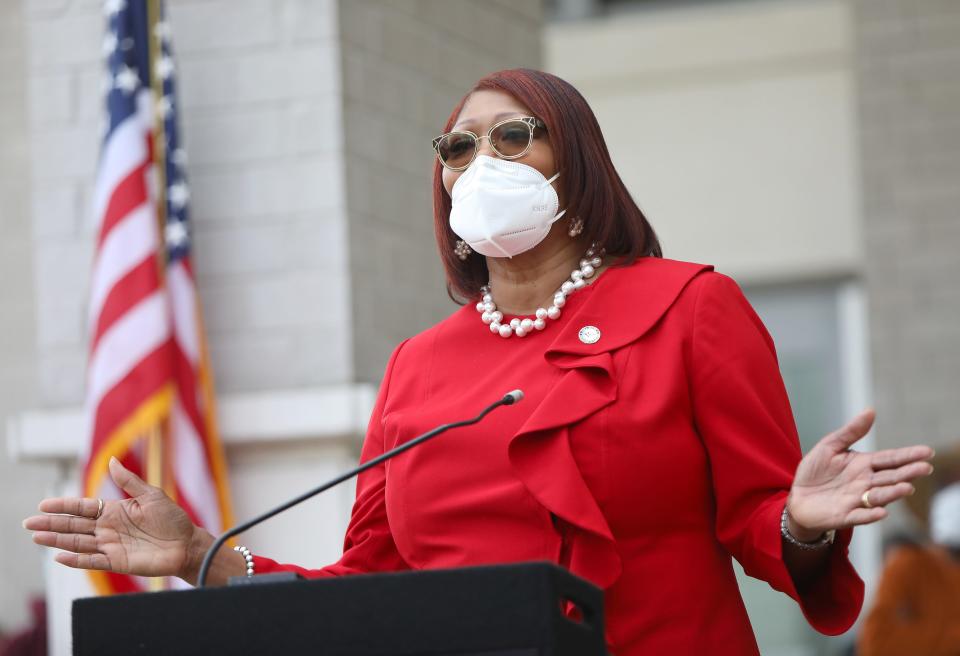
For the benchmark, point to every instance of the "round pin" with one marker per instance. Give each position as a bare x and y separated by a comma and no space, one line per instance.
589,334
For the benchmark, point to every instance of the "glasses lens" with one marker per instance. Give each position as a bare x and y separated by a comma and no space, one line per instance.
456,149
511,138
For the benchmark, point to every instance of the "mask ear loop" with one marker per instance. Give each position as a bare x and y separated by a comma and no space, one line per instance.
547,183
550,181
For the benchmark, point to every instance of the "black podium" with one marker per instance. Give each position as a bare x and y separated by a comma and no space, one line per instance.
501,610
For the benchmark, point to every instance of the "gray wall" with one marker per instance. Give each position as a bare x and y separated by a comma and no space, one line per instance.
259,85
307,124
22,484
405,66
908,67
261,109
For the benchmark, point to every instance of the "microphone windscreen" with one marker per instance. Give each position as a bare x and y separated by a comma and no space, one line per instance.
514,396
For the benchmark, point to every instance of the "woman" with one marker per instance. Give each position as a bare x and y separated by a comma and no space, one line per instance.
656,439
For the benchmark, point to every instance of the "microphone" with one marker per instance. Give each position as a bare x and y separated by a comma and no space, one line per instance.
508,399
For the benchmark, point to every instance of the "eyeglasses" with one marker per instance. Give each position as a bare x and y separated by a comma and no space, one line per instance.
510,139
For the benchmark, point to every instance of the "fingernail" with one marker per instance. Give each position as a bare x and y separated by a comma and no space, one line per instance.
114,459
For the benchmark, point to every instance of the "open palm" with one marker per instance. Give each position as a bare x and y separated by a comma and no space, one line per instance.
147,534
836,487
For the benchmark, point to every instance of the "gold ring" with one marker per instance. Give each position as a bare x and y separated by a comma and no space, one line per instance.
866,500
99,508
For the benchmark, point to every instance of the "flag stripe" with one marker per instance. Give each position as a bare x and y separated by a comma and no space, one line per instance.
186,308
138,283
142,417
189,402
150,378
124,150
194,484
128,341
183,300
128,244
129,194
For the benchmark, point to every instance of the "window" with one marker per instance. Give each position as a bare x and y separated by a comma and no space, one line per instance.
820,337
564,10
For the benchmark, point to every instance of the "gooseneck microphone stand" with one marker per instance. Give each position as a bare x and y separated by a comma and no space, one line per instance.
508,399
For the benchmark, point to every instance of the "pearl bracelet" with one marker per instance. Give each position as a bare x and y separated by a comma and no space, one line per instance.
247,556
819,543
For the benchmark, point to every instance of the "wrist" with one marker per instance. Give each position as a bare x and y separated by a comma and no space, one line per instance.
797,530
197,546
804,541
802,533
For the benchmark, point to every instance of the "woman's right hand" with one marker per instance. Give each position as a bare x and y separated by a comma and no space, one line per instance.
147,534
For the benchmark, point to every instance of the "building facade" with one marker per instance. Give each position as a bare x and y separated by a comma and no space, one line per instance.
808,148
307,126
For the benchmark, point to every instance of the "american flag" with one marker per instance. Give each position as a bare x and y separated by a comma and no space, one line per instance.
148,376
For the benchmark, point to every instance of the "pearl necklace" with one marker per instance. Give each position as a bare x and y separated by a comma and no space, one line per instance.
491,316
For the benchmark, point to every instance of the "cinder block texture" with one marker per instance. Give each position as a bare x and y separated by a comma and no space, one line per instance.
405,66
23,484
259,87
908,69
307,126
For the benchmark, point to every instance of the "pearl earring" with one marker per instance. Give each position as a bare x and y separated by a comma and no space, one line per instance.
576,226
462,250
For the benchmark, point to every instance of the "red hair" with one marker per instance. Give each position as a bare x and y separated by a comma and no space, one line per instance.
589,182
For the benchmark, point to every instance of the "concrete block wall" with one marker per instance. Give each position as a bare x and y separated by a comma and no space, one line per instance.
23,484
261,86
260,92
61,50
279,152
908,70
405,66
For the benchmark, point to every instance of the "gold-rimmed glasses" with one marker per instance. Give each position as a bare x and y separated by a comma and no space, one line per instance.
510,139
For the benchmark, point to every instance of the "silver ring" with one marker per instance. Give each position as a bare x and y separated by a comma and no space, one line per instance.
99,508
866,500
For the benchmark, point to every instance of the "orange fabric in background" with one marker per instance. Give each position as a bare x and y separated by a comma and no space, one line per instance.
917,606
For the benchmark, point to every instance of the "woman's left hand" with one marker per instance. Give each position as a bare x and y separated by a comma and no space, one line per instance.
836,488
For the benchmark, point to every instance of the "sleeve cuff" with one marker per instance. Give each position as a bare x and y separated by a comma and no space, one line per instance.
263,565
832,602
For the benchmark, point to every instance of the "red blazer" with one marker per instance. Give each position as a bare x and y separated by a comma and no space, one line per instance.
643,461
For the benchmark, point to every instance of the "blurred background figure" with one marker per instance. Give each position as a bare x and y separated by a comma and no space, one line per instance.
917,605
30,641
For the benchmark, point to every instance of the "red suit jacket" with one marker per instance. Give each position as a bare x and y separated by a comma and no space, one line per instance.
643,461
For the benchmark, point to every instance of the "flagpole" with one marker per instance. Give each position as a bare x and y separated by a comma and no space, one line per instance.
155,465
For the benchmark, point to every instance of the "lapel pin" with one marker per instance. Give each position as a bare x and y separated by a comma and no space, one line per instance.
589,334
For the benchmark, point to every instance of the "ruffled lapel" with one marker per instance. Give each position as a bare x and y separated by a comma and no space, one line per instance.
626,304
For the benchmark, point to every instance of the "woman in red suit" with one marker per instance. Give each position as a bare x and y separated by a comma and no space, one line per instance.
655,443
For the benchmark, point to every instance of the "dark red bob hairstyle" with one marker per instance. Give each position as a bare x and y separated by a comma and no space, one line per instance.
592,187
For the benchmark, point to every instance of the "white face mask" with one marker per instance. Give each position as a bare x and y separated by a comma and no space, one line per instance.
502,208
